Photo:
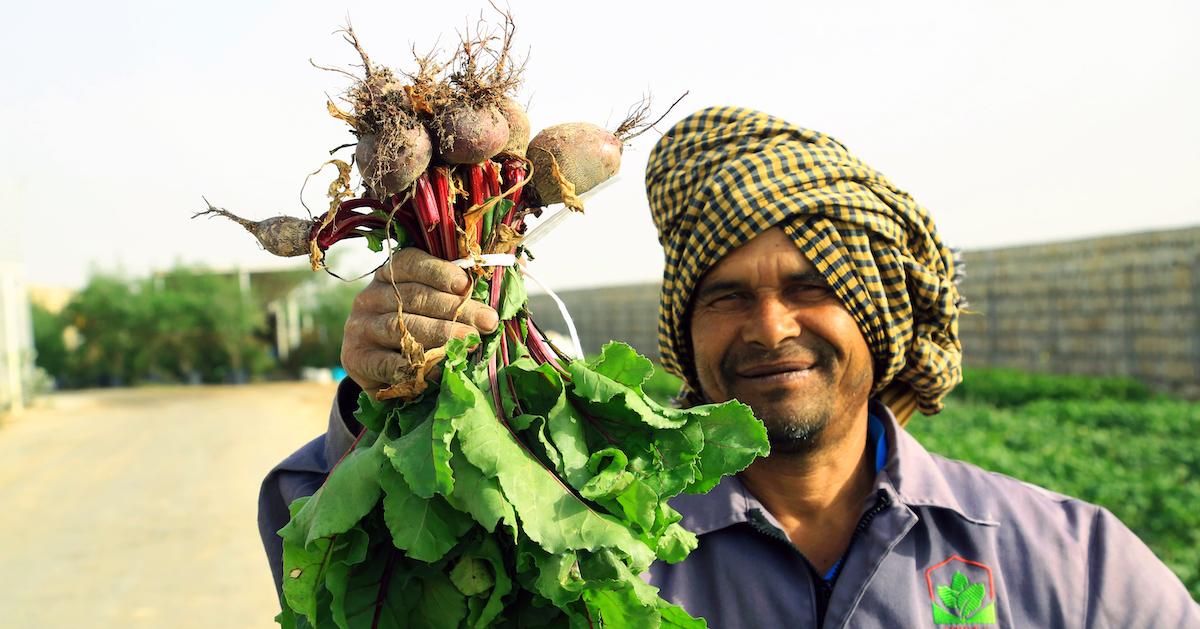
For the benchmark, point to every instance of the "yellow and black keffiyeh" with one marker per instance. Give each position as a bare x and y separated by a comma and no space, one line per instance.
723,175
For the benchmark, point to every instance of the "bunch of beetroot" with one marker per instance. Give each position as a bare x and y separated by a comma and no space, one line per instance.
443,135
522,488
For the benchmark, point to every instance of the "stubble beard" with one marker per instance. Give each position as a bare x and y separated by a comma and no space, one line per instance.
794,426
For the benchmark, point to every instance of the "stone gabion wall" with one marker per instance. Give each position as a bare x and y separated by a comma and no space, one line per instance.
626,313
1116,306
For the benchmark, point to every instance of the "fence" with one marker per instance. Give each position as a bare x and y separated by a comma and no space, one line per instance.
1117,306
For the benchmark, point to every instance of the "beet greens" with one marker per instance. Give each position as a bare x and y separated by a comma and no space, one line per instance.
523,488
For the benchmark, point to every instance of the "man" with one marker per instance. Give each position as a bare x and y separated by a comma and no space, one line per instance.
800,281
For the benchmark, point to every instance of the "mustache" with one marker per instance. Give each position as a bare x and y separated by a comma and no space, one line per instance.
817,351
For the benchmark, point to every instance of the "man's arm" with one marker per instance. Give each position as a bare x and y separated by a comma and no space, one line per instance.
302,473
1128,586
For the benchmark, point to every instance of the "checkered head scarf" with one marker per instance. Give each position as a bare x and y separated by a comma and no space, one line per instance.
724,175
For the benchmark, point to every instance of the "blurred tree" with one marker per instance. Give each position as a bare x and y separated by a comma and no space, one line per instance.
52,355
105,313
187,324
202,327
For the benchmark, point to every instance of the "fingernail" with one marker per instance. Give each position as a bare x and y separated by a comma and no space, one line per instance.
460,284
488,320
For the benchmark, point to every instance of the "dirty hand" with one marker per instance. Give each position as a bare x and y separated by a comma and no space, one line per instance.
429,292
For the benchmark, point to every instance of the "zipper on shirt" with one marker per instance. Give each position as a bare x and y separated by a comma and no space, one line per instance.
882,501
822,589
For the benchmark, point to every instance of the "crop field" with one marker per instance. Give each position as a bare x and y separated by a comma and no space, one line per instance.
1108,441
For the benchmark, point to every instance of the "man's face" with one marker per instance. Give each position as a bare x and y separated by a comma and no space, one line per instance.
768,331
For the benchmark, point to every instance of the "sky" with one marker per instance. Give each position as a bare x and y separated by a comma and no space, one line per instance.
1013,122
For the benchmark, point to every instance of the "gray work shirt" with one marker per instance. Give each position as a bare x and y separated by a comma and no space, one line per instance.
940,543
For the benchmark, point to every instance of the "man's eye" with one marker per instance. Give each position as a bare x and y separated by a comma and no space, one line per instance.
810,292
727,300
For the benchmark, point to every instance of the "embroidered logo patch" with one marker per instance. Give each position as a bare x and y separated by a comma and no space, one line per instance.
962,592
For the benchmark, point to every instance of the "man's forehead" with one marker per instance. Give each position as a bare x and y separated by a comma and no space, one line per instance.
769,255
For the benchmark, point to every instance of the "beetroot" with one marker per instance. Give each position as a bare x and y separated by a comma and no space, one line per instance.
406,153
469,135
583,155
518,127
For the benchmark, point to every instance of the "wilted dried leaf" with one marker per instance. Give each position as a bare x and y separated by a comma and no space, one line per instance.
339,190
341,115
409,380
570,199
509,238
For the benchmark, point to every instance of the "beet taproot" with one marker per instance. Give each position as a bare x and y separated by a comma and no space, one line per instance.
469,135
518,127
284,236
582,153
404,155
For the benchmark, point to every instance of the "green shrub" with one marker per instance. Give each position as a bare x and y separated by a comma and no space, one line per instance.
1006,388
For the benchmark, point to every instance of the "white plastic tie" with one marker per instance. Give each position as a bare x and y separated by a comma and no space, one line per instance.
508,259
487,259
562,308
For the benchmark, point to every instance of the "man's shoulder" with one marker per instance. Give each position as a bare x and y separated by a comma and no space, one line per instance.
970,476
997,498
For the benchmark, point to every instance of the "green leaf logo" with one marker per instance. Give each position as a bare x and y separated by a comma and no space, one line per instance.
959,583
970,599
962,603
948,595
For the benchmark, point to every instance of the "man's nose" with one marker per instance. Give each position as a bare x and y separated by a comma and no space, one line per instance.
772,323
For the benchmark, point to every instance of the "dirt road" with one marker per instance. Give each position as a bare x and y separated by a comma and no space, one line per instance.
136,508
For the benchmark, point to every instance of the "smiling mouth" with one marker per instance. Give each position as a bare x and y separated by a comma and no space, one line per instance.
778,372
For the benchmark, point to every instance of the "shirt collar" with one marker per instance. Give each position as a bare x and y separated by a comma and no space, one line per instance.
904,469
914,476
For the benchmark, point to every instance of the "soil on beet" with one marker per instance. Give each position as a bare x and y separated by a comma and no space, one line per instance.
388,104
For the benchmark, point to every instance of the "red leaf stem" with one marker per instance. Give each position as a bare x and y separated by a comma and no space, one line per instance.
383,587
475,180
494,301
403,214
541,348
478,190
494,382
506,361
348,450
492,178
425,208
341,230
512,172
497,287
440,180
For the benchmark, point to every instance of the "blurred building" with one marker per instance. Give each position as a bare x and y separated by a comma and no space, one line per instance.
16,340
626,313
283,295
